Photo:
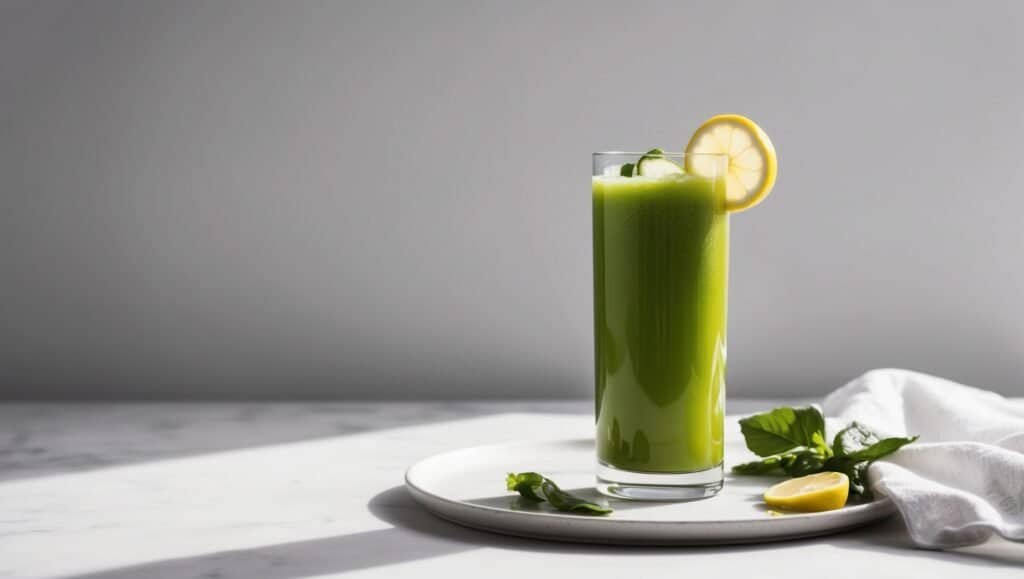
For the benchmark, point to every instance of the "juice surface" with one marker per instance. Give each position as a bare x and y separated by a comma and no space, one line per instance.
661,249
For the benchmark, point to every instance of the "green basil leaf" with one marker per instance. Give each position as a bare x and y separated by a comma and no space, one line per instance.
792,441
768,465
818,440
802,463
854,469
564,501
854,437
859,480
882,448
783,429
799,463
536,487
527,484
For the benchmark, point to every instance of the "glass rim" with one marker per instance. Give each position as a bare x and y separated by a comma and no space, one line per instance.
665,154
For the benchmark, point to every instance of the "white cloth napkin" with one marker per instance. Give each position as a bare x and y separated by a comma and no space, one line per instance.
963,480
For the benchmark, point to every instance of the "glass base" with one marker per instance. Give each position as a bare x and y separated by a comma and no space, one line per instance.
652,486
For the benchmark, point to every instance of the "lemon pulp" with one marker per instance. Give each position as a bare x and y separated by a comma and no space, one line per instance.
823,491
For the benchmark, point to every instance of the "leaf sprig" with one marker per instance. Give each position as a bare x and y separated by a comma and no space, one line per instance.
535,487
792,441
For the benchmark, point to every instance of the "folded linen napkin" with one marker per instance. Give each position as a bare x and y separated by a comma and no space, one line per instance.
963,480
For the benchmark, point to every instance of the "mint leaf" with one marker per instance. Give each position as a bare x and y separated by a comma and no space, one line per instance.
536,487
783,429
626,170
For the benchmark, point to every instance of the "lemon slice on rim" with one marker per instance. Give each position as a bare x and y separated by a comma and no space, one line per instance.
824,491
752,161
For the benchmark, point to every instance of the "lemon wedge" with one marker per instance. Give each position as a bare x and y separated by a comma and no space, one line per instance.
824,491
752,161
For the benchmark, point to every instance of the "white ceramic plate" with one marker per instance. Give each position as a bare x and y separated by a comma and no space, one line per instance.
468,487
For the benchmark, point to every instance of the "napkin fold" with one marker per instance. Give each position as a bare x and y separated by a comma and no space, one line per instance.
963,480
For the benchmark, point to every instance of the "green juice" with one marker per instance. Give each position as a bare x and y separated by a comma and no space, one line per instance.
661,248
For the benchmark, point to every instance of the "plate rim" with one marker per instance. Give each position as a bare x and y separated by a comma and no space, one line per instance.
883,505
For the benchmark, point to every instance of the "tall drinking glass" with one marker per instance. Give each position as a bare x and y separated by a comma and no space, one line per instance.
661,255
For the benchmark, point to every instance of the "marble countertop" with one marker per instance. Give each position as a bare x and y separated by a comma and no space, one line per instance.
289,490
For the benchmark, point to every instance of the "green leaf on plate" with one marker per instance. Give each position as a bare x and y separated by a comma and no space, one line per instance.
527,484
854,437
859,442
792,441
883,447
765,466
564,501
783,429
536,487
802,463
855,469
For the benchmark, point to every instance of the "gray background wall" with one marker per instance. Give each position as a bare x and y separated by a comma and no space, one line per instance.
390,199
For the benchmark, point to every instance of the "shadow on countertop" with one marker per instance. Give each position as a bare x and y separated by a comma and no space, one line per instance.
43,439
48,438
418,535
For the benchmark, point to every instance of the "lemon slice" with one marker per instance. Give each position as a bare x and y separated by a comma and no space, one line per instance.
752,161
824,491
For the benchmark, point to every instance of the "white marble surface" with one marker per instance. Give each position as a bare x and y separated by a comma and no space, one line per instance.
289,490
